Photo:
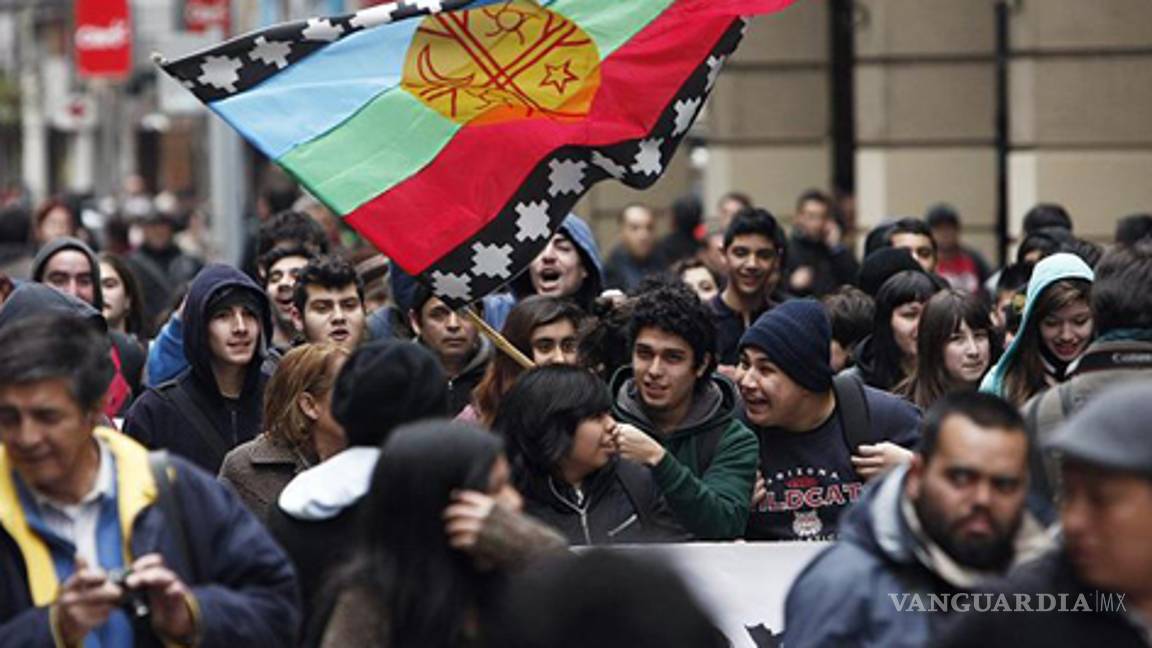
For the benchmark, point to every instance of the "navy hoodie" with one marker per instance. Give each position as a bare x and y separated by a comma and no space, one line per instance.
156,421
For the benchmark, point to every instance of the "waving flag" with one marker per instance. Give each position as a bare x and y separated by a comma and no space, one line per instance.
456,135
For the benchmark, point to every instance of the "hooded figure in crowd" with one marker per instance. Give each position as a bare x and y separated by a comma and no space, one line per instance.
71,267
1121,352
569,266
215,405
1040,355
33,299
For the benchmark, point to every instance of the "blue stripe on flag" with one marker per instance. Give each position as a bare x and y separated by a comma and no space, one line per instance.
317,94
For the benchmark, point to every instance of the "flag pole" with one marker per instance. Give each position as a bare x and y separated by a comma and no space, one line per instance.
499,340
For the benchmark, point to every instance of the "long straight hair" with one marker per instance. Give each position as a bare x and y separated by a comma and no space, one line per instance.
134,318
1025,377
901,288
943,314
424,588
525,317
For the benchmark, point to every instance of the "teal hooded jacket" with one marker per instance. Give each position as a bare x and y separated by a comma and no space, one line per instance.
1048,271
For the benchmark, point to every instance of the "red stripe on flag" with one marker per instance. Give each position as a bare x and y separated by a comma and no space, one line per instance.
427,215
735,7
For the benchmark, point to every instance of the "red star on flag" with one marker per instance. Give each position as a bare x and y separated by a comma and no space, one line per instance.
559,76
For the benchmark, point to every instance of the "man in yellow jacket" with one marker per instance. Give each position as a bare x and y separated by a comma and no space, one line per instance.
103,544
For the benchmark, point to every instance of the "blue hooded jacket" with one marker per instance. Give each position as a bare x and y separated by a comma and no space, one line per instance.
1048,271
497,307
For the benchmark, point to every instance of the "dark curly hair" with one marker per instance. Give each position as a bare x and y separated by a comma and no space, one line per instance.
328,272
670,306
604,344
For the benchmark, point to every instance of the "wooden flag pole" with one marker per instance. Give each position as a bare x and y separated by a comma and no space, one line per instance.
498,339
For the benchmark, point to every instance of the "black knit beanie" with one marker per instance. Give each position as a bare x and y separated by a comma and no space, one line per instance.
385,384
796,337
882,264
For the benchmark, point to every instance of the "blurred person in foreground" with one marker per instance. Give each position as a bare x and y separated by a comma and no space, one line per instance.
85,525
945,524
607,600
441,528
1099,581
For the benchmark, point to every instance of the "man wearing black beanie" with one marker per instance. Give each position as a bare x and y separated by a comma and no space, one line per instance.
820,437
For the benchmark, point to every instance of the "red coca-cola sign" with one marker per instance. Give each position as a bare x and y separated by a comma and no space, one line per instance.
103,38
205,15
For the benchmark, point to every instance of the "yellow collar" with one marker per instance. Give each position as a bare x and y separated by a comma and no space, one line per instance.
136,490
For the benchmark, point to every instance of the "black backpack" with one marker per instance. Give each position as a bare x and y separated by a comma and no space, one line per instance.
852,409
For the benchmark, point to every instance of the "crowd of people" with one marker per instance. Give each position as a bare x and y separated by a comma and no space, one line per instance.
314,449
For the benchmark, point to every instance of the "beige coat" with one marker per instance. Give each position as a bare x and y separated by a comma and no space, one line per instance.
258,470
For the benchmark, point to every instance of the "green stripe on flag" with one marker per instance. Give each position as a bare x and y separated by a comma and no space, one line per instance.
392,137
610,23
395,135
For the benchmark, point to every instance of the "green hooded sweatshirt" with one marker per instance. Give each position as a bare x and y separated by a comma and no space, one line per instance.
713,503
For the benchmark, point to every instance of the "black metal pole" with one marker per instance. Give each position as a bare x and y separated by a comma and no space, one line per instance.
843,105
1003,143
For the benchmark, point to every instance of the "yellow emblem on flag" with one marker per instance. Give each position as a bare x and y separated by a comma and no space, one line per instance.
502,62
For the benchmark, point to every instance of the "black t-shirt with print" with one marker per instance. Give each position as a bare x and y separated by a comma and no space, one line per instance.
810,477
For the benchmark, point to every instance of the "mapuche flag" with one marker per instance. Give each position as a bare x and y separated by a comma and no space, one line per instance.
457,135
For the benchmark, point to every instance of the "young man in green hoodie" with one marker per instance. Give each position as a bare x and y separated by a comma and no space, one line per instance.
678,417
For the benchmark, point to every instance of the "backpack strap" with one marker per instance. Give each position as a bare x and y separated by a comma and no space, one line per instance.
169,502
1042,490
1039,473
852,409
176,393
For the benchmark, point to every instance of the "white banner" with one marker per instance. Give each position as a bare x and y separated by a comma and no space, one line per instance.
742,584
